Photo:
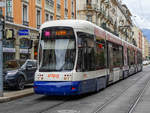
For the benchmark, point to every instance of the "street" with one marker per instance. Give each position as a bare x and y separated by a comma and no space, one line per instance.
117,98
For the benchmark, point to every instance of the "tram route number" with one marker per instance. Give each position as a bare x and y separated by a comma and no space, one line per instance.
53,76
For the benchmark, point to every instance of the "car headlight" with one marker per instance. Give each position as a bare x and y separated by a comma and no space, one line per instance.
11,74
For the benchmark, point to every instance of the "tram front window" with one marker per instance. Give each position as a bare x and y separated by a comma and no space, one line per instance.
57,55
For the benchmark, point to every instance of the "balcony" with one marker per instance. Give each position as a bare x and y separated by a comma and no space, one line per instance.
114,2
101,12
26,23
9,19
90,7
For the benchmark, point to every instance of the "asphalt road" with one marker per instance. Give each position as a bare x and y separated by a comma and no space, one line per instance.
117,98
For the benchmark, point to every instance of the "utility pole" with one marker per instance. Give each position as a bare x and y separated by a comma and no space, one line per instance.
2,4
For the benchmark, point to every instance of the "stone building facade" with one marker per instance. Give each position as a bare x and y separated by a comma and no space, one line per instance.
137,36
145,48
108,14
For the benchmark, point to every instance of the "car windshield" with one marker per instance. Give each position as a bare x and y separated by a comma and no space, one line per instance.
13,64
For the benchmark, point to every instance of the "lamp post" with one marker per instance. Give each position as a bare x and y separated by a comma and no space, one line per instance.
1,52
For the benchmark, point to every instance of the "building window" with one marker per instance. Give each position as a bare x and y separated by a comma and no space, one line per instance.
25,15
72,6
89,18
58,6
51,17
66,9
88,2
9,10
38,20
66,4
38,2
46,17
72,9
9,43
24,43
51,3
8,56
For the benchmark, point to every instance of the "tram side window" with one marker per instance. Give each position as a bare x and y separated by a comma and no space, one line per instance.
131,57
86,60
100,54
117,55
139,61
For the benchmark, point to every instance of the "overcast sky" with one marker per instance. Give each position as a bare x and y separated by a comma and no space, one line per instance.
140,10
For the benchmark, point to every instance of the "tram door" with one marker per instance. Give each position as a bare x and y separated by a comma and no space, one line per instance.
110,62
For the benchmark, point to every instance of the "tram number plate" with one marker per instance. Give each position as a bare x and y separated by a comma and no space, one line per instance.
53,76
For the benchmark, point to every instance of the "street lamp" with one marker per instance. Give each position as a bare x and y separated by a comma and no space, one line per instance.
1,52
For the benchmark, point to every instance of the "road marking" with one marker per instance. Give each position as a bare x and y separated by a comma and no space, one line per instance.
68,111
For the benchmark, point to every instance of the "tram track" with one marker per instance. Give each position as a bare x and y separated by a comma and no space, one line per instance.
137,98
51,107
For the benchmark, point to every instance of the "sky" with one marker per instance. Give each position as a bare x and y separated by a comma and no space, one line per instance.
140,10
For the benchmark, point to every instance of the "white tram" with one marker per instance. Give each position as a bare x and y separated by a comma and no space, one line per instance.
77,57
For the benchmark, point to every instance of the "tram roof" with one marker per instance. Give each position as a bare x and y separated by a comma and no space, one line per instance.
69,23
82,24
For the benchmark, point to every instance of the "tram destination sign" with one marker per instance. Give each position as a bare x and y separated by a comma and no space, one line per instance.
51,33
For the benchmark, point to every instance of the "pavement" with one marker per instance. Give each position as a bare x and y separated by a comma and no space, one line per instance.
14,94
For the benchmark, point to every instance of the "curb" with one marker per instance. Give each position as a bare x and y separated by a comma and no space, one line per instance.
15,95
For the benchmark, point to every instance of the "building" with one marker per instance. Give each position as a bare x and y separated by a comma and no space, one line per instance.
146,48
137,35
108,14
149,51
22,22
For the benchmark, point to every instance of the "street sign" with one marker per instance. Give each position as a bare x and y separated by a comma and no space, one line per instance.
23,32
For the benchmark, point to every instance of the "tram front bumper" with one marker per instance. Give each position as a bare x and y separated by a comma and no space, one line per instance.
56,88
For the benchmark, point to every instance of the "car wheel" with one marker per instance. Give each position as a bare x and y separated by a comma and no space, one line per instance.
20,83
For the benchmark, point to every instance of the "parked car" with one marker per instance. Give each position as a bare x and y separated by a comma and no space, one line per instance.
17,73
146,62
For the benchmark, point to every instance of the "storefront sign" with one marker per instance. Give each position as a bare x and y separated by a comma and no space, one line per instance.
9,50
9,33
24,51
23,32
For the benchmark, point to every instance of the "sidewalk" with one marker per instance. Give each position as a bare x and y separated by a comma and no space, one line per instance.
8,96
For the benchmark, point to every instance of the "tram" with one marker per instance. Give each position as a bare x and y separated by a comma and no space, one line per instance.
77,57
